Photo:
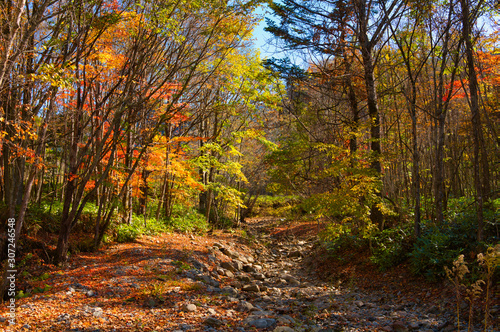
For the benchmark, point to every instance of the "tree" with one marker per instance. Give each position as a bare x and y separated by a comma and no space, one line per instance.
239,94
470,14
155,71
365,22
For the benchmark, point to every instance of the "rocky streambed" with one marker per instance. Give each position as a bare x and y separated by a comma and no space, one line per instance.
262,281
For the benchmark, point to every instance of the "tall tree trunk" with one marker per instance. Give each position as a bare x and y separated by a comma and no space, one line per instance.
481,167
127,199
442,99
439,192
416,162
69,192
373,112
353,106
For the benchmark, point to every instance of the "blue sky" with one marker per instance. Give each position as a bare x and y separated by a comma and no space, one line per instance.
262,37
264,41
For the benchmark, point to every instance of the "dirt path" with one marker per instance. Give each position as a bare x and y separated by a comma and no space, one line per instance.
263,279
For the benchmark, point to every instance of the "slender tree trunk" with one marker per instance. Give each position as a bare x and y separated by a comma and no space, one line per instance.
373,112
127,199
439,170
209,195
442,99
353,105
481,168
97,228
162,195
69,192
416,162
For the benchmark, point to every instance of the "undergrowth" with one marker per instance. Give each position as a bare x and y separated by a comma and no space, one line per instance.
437,247
46,216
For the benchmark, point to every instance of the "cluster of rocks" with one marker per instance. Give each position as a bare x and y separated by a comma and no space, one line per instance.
273,292
269,289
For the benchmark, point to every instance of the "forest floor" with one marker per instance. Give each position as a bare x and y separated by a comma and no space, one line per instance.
272,276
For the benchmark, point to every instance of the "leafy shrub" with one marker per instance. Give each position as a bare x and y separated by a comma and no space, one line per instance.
46,215
187,219
391,246
440,245
277,206
83,245
128,233
151,226
341,237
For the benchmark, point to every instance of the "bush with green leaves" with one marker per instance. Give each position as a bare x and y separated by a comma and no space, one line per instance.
391,246
440,245
277,206
128,233
187,219
341,237
137,227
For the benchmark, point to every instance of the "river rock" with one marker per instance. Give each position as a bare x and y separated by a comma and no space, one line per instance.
251,288
189,307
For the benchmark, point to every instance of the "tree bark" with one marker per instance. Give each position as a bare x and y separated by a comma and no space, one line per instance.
481,167
371,91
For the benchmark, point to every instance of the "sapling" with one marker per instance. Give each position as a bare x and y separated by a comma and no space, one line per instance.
490,261
456,274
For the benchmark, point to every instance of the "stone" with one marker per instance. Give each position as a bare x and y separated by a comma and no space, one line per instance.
286,319
218,245
293,281
229,274
209,280
228,290
213,322
283,329
414,325
198,265
257,267
295,253
249,268
399,326
259,276
238,265
230,253
262,323
251,288
245,306
98,312
189,307
228,266
244,278
243,259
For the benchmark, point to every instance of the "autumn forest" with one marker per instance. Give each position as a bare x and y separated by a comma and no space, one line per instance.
379,121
